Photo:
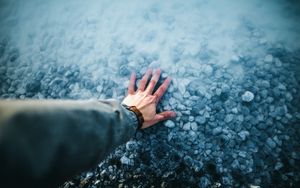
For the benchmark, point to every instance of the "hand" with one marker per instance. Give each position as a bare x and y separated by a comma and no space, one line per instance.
145,101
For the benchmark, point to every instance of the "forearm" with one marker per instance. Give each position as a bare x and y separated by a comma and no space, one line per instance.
53,140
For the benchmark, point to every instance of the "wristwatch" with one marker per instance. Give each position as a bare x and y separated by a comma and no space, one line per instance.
137,113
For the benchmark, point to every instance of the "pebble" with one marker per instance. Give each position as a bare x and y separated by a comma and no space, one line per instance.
242,154
181,88
268,58
194,126
169,124
228,118
131,145
208,70
204,182
218,91
243,135
278,166
248,96
216,131
200,119
271,143
187,126
191,118
125,160
172,101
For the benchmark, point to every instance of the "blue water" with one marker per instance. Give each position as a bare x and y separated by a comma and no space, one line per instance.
215,51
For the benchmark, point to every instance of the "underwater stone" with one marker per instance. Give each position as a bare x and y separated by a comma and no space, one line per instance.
247,96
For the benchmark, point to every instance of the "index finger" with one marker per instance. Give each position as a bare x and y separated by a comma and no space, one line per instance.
131,83
162,89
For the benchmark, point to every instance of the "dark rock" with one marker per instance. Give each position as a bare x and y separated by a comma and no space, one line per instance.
33,86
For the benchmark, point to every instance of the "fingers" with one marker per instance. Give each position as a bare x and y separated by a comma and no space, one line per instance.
162,89
145,79
153,81
131,83
165,115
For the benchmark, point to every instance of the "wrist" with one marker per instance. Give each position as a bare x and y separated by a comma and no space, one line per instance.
137,113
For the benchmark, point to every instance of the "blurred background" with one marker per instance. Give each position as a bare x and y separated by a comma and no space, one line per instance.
235,69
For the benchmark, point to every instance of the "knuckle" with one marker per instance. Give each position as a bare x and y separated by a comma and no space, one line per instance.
142,81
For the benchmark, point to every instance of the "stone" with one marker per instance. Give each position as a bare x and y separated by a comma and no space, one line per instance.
131,145
243,135
271,143
169,124
194,126
181,87
125,160
204,182
123,70
208,70
200,119
281,87
187,126
228,118
218,91
240,118
278,166
226,180
20,91
225,88
235,164
192,136
242,154
33,86
191,118
216,131
248,96
172,102
268,58
278,63
234,110
288,96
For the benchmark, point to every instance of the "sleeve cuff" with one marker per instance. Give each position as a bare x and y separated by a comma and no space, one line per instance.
132,117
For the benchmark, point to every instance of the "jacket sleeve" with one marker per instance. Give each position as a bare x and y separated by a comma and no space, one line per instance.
46,142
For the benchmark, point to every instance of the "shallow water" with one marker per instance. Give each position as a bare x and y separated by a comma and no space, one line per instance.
216,52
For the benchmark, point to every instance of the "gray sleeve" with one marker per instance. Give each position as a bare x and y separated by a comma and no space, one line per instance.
49,141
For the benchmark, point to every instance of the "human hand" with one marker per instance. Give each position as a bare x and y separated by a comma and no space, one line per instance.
144,99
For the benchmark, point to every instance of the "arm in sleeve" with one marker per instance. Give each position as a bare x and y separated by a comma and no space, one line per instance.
49,141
